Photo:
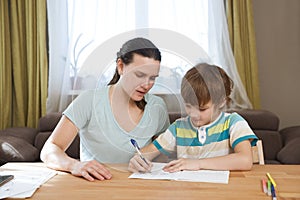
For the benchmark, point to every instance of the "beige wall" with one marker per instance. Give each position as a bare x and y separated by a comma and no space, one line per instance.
277,27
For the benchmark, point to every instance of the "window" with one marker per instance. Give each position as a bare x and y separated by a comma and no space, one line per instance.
186,32
89,27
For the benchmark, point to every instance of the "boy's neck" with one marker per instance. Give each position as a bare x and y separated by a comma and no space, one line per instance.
214,118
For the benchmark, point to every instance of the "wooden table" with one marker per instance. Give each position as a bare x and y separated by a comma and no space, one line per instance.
242,185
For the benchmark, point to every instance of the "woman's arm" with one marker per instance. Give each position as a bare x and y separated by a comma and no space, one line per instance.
241,159
54,156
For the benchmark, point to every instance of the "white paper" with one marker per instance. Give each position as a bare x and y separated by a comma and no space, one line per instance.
26,181
210,176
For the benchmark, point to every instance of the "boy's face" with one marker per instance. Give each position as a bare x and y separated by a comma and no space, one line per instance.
203,115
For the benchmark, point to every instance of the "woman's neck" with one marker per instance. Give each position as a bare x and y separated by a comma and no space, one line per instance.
124,109
119,96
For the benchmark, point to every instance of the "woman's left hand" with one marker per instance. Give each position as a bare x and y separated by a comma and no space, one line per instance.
182,164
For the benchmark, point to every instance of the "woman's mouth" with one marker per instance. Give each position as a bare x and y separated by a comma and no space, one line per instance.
141,92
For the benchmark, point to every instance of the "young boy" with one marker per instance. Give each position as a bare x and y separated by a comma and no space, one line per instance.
208,138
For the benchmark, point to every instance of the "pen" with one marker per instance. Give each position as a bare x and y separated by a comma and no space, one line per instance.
271,179
273,192
137,148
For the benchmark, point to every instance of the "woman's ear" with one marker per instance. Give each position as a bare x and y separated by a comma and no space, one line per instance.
120,66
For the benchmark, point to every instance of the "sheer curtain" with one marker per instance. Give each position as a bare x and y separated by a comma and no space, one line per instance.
84,37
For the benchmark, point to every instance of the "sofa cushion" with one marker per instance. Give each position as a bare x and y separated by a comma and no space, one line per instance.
290,153
175,115
17,149
41,138
259,119
49,121
72,151
272,162
2,162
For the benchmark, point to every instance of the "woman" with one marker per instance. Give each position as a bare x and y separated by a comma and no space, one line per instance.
108,117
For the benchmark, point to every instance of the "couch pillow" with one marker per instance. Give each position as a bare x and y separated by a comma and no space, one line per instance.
290,153
17,149
290,133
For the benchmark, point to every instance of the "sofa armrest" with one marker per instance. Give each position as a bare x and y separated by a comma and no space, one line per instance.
13,149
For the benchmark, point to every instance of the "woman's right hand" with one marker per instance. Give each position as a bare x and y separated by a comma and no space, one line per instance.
137,164
91,170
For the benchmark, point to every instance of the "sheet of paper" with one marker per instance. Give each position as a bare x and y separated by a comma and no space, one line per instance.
210,176
17,189
26,181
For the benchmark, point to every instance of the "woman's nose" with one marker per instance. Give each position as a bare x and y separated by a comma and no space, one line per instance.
148,83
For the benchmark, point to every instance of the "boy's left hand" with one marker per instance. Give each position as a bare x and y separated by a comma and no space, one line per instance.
182,164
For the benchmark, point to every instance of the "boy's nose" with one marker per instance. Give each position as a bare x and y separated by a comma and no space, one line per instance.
195,113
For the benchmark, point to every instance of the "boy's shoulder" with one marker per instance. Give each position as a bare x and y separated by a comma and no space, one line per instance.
233,117
182,122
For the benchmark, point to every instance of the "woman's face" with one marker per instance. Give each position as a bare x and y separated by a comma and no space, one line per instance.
138,77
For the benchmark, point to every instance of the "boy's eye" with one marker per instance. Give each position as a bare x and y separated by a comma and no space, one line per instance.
188,105
202,109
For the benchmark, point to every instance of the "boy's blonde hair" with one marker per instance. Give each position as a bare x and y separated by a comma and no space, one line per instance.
205,82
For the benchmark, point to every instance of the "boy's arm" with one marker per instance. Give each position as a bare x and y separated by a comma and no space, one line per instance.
137,164
150,152
241,159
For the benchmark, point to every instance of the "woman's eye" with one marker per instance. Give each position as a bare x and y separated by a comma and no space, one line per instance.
153,78
139,75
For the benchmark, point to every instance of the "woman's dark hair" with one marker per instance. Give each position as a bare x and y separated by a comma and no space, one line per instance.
204,83
140,46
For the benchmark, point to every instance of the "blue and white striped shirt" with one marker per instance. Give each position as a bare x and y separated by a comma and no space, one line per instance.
215,139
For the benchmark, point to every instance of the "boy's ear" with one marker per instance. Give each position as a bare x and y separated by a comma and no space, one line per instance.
222,104
120,66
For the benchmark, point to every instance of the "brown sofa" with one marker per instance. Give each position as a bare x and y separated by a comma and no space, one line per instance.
280,147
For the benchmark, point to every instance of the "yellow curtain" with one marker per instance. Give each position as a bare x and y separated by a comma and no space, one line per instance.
24,65
242,37
5,67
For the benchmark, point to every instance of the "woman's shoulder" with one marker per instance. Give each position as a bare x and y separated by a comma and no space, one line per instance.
93,92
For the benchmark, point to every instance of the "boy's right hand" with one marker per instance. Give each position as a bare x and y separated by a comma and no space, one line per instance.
137,164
